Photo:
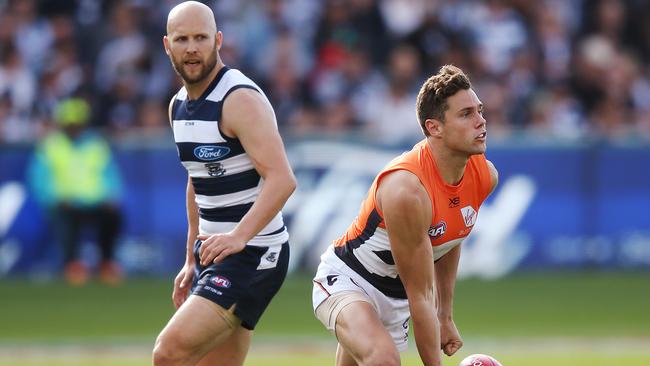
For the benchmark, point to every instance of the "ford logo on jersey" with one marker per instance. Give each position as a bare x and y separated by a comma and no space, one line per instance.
210,153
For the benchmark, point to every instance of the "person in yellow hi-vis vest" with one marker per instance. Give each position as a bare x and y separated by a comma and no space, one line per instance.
74,176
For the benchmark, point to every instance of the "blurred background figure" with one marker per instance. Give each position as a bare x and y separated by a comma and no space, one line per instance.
340,68
73,175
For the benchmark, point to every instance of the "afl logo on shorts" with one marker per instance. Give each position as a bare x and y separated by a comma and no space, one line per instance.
220,281
211,152
438,230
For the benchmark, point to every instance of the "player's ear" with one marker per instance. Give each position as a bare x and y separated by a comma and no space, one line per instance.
434,127
218,40
166,44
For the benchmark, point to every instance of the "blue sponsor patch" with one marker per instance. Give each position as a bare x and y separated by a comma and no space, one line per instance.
211,152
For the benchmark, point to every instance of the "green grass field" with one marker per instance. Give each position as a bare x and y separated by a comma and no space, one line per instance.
560,319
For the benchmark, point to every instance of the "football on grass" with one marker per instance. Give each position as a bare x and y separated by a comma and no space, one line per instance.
479,360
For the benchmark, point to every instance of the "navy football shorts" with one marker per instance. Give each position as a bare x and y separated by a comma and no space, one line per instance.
249,279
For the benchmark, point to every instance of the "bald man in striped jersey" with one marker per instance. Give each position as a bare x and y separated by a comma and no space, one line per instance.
238,180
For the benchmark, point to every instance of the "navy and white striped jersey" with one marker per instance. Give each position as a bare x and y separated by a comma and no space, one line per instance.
225,181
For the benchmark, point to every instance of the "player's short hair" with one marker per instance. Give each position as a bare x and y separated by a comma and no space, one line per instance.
432,98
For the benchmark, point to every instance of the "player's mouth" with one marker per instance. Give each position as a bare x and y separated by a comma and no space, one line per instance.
192,63
482,136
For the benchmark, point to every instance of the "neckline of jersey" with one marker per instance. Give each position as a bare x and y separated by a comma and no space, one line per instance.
438,178
211,86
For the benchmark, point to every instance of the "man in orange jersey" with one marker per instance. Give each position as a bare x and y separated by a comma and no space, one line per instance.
399,257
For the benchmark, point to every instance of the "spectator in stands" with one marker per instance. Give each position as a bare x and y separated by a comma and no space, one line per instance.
74,176
389,109
330,55
17,90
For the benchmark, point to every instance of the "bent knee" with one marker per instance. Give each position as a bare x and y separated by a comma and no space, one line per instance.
385,357
168,352
162,355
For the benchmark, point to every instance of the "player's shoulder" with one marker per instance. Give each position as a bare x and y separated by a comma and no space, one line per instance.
244,95
236,82
402,179
494,174
246,104
402,189
244,108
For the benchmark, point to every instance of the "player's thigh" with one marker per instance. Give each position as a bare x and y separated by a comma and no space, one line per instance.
361,333
231,352
197,327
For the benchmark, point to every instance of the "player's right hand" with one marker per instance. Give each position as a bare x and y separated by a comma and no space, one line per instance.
449,337
182,285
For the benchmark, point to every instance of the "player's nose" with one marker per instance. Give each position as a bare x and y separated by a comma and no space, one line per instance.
192,47
481,121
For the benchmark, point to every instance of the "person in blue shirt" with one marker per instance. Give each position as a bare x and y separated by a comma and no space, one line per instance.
73,175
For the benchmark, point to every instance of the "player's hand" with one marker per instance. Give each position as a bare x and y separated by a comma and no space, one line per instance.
450,340
182,285
217,247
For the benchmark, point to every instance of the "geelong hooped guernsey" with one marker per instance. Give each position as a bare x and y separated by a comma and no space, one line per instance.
225,181
366,248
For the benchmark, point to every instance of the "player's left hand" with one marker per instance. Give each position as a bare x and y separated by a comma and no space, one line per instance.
450,340
215,248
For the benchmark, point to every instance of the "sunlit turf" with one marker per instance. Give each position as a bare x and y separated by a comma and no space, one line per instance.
572,319
532,304
323,358
559,304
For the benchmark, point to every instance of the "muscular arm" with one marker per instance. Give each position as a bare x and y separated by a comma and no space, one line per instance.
247,117
407,213
446,269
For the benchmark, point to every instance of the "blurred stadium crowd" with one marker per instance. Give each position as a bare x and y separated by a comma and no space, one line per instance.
562,69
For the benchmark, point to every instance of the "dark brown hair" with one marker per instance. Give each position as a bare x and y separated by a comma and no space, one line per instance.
432,98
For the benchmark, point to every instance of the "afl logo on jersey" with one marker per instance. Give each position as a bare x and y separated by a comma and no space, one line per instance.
438,230
211,152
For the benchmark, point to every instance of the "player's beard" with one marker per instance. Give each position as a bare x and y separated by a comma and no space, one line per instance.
207,67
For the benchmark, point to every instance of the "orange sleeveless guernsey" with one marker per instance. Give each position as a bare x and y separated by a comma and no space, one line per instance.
365,246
